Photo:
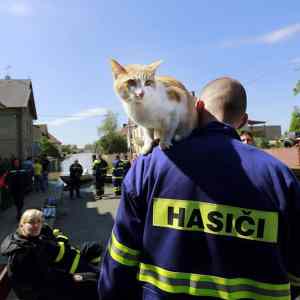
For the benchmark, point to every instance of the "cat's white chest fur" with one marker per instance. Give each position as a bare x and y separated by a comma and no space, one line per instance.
155,109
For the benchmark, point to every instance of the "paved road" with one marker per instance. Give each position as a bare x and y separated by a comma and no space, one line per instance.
86,218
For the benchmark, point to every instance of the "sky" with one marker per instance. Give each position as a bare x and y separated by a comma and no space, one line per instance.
65,48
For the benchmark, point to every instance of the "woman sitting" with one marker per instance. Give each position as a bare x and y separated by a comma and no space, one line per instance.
43,265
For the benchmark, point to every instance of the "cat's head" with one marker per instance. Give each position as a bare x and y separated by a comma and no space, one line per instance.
133,82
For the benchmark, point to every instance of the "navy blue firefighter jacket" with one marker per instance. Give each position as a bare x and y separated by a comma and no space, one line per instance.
210,218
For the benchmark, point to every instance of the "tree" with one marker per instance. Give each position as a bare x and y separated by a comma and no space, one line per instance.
109,124
296,90
48,148
295,120
111,140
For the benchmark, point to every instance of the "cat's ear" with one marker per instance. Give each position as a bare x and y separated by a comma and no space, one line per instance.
154,65
117,69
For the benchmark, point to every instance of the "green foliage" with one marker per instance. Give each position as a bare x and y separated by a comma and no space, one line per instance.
69,149
296,90
48,148
262,142
112,142
89,148
295,120
109,124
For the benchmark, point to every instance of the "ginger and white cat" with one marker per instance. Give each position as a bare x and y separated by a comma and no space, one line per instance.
162,106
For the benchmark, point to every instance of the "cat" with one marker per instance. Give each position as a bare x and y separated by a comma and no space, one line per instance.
162,106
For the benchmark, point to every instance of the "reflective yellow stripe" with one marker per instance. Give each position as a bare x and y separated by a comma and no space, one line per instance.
123,254
96,260
61,252
295,281
216,219
213,286
75,262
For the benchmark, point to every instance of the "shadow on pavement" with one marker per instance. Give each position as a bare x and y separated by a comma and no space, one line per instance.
86,219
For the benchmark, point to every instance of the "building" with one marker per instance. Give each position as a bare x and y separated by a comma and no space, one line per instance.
17,112
260,129
135,135
40,131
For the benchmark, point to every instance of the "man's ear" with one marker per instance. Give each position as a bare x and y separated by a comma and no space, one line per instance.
243,121
199,105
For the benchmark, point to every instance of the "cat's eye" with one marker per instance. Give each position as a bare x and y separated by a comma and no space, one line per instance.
131,83
149,82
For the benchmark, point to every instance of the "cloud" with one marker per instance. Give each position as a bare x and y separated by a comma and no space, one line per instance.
86,114
295,61
19,8
269,38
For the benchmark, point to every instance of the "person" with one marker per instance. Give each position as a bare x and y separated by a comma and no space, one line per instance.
45,170
37,172
16,182
100,169
42,265
28,166
76,171
247,137
126,165
117,175
209,218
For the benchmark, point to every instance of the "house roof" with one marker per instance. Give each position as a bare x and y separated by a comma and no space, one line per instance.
53,139
43,128
253,122
17,93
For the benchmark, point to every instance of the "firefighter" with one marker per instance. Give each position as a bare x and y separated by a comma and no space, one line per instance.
126,165
209,218
76,171
117,175
42,264
16,181
100,170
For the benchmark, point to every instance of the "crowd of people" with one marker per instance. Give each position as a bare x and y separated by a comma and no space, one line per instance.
21,177
213,217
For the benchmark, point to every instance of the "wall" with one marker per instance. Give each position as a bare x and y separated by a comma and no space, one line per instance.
27,133
8,133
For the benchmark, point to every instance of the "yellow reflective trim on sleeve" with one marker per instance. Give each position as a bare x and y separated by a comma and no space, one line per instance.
123,254
61,252
206,285
188,215
295,281
75,262
96,260
122,247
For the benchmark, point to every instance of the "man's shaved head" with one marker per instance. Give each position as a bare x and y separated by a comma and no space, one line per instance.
226,99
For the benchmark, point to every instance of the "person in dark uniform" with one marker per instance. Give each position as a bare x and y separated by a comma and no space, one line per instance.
42,265
117,175
100,169
76,171
209,218
126,165
16,181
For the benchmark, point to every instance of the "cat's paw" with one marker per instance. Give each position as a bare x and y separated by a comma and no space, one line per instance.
165,145
178,137
147,149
